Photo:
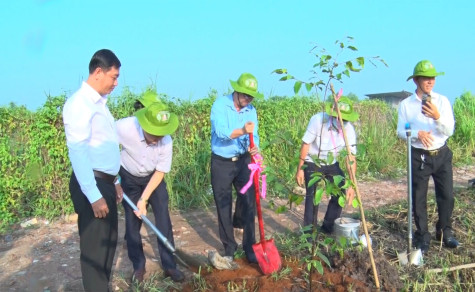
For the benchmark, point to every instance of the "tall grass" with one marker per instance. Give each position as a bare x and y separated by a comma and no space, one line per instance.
464,136
35,167
381,152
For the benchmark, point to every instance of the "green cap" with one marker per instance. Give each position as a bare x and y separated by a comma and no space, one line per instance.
246,84
426,69
155,119
148,97
346,109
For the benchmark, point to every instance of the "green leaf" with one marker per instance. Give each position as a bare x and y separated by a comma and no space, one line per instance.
347,184
315,177
280,71
350,66
352,48
323,258
346,72
337,179
329,188
360,61
319,267
341,201
318,196
281,209
309,86
286,77
297,86
355,203
330,158
299,200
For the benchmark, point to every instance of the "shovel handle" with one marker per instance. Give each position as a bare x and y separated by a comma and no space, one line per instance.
162,238
258,199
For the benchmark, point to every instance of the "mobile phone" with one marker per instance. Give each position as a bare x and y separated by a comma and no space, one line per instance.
425,98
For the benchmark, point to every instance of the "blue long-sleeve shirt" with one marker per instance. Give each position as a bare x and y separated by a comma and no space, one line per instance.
224,120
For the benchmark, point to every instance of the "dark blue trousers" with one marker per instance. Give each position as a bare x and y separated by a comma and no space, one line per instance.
440,168
311,210
97,236
224,175
133,187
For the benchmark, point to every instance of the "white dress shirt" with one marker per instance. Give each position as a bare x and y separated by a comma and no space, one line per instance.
410,112
91,138
139,158
322,134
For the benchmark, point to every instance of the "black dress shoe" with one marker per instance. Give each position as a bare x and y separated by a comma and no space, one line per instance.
138,275
175,274
325,229
451,242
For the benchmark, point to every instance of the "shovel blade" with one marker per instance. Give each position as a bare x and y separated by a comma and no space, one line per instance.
267,256
415,257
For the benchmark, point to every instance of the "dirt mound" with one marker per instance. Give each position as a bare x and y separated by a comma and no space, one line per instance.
352,272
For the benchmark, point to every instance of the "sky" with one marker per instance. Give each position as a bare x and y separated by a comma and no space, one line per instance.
188,48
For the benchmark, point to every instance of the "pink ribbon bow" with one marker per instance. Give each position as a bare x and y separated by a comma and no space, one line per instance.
256,167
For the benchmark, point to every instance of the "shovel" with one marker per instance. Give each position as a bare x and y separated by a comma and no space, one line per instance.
412,256
182,258
266,252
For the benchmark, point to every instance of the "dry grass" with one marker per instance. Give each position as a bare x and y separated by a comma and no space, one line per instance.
390,230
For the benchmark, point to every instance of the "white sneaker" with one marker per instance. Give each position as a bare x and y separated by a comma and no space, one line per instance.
222,263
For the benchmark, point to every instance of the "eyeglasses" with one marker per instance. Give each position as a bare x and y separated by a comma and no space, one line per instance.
247,97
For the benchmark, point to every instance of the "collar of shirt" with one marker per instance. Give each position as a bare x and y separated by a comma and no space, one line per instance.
434,97
92,94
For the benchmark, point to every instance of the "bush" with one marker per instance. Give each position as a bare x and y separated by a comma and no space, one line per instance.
35,166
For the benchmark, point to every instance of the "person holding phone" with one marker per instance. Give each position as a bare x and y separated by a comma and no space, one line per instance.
431,119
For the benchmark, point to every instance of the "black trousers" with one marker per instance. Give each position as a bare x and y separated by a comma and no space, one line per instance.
97,236
440,168
311,210
133,187
224,175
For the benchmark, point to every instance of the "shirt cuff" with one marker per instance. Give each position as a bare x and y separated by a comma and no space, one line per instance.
94,195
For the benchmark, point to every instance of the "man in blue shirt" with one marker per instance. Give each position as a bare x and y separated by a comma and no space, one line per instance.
233,118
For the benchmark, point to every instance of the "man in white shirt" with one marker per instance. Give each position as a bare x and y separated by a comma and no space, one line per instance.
95,158
324,137
431,120
146,157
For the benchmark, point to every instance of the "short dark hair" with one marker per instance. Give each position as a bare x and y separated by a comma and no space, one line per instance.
104,59
138,105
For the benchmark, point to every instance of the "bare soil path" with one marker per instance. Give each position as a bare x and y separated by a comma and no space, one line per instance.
45,256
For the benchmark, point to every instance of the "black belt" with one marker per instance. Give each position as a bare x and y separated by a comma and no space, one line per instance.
430,152
233,159
105,176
